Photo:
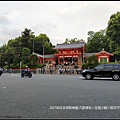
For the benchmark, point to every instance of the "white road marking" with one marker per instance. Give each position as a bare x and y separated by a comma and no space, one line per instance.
76,77
81,77
4,87
14,75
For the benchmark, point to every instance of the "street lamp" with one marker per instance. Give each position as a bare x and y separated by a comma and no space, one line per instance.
33,46
33,40
43,54
83,51
9,54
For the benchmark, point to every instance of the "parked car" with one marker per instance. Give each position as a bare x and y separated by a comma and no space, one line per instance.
103,70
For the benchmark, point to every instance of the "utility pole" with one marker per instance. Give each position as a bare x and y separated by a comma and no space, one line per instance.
43,54
83,51
33,40
33,46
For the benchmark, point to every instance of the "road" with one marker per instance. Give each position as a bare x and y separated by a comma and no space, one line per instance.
58,96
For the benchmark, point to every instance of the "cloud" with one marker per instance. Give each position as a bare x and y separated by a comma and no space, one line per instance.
44,28
57,19
4,20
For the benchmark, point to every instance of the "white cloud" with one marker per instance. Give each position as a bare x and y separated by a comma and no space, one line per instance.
57,19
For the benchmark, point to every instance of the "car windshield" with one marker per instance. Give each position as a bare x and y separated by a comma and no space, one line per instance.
99,67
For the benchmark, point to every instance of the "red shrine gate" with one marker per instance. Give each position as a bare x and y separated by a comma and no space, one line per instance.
69,54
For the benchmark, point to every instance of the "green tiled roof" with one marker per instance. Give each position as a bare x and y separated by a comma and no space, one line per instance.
89,54
68,46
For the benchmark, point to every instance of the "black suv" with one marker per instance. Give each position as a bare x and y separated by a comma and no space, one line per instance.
103,70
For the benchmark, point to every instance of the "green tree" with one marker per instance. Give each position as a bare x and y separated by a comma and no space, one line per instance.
113,33
91,61
97,41
74,40
15,47
33,59
25,55
3,57
43,41
16,61
25,39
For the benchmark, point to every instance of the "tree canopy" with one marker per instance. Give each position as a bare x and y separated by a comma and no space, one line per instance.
22,47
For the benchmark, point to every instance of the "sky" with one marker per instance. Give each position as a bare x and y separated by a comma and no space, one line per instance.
57,19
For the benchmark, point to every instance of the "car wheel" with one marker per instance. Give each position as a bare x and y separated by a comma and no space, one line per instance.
116,77
88,76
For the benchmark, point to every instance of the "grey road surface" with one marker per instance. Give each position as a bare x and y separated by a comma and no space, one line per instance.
58,96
